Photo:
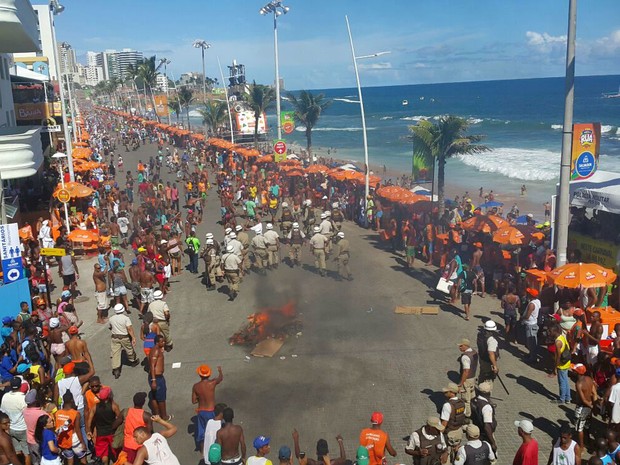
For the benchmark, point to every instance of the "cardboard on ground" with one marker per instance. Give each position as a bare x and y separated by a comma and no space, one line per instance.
416,310
267,348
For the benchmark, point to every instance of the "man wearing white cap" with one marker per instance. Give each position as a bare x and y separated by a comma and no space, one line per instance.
227,233
528,451
161,315
296,239
232,269
337,216
235,244
327,230
272,240
286,219
488,352
317,244
342,255
475,451
212,263
244,238
57,346
123,338
259,247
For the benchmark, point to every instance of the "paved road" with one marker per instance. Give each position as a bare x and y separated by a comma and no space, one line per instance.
354,355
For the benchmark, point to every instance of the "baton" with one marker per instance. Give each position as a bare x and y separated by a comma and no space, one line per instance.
502,383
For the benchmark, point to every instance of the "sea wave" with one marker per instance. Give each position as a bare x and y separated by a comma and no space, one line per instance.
524,164
346,100
195,114
416,118
472,120
383,118
605,128
557,127
303,129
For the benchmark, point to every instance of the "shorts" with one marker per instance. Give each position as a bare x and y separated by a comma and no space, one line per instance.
583,415
68,279
42,288
102,300
497,275
479,273
20,443
57,348
411,251
119,291
146,295
131,454
77,452
56,461
202,418
103,445
510,319
159,394
466,298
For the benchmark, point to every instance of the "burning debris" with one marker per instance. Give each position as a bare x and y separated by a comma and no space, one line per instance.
275,323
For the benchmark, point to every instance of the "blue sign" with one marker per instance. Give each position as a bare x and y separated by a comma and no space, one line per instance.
12,269
585,164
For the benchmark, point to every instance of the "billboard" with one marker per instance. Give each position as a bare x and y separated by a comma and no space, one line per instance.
246,122
585,150
161,105
287,121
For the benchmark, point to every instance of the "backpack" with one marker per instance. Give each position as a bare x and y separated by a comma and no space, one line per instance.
31,350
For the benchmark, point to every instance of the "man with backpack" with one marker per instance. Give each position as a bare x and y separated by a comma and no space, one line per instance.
488,352
453,415
483,414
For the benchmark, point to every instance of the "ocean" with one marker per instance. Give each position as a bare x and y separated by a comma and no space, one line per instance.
520,119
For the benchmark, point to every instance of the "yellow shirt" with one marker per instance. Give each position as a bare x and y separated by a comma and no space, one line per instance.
562,339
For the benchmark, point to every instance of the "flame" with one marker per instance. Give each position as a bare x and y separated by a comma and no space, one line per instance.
276,322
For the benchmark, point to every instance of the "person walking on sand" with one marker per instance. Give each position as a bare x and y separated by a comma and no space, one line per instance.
203,394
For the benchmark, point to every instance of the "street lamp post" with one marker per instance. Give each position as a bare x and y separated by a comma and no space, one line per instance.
60,156
277,8
232,132
359,93
56,8
203,45
166,62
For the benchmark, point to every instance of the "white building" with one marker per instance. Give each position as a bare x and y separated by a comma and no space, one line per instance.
92,75
45,38
126,58
66,56
162,83
20,146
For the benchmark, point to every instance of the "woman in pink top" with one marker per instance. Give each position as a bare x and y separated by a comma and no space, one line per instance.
31,414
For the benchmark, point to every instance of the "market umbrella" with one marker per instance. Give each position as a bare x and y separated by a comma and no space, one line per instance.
317,169
484,223
84,235
75,189
509,236
574,275
265,159
293,173
491,204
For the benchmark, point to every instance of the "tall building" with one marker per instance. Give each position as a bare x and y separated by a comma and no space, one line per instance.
66,56
162,83
91,58
115,64
92,75
127,58
46,48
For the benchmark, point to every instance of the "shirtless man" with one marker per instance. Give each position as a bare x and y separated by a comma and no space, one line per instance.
157,381
99,277
78,350
586,398
57,347
134,276
7,451
592,338
146,280
230,437
477,269
203,394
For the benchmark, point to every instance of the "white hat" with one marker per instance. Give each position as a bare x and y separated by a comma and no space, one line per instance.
46,222
328,213
317,229
490,325
284,204
324,197
232,235
323,216
335,205
269,226
119,308
485,387
340,234
227,230
209,235
295,225
163,241
238,227
529,215
525,425
54,323
158,294
229,248
209,241
308,202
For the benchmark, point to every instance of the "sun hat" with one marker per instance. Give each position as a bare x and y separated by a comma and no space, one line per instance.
227,230
158,294
490,325
284,204
204,371
525,425
451,387
340,235
323,216
269,226
260,442
362,456
119,308
233,235
238,227
54,323
296,225
434,422
209,235
163,241
73,330
464,342
376,418
316,229
472,431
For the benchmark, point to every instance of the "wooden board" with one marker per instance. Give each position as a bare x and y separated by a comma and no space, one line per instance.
416,310
267,348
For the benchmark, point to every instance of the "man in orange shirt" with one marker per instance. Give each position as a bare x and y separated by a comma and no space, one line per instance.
68,422
376,440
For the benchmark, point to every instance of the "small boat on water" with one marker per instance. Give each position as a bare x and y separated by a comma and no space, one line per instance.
405,103
612,94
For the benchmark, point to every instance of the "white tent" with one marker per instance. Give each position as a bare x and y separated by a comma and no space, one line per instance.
349,167
601,192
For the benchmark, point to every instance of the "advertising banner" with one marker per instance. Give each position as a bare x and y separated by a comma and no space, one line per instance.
30,111
246,122
585,150
287,121
279,150
592,250
161,105
10,253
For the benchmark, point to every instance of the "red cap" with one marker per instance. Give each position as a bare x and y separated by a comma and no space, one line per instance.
73,330
376,418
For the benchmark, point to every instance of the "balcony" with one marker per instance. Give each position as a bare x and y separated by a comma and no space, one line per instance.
21,154
18,27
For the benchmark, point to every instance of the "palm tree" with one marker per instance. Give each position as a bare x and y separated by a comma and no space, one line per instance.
440,141
185,97
147,71
174,105
214,114
260,99
308,108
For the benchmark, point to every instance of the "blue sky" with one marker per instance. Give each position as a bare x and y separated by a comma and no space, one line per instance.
430,41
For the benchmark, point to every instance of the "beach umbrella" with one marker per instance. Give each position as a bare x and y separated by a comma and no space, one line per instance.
412,200
317,169
84,235
491,204
575,275
509,236
293,173
265,159
75,189
484,223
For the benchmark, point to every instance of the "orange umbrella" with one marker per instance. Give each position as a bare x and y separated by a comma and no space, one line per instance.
484,223
76,190
265,159
509,235
317,169
574,275
83,235
412,199
81,152
293,173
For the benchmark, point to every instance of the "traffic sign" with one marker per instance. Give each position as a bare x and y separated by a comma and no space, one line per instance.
10,253
279,147
53,252
63,195
53,128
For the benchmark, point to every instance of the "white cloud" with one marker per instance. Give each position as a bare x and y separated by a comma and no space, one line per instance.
544,42
375,66
608,45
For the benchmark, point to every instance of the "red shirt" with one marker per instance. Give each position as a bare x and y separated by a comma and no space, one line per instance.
527,454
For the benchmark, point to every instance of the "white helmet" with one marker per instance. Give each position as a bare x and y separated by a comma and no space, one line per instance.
490,325
209,235
296,225
323,216
209,241
227,231
269,226
335,205
284,205
328,213
232,235
317,229
340,235
308,202
238,227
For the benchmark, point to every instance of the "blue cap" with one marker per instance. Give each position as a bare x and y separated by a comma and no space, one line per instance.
284,453
7,320
617,371
23,367
260,442
65,294
134,261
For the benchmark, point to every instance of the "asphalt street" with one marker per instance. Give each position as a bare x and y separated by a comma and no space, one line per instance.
354,354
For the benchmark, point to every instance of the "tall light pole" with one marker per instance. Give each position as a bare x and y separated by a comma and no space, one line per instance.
60,156
232,132
277,8
359,93
56,8
203,45
166,62
567,137
71,106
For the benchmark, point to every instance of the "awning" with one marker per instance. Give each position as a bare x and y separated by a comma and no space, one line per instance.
601,192
24,73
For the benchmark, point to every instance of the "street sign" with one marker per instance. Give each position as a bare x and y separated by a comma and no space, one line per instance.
54,128
52,252
63,195
10,253
279,150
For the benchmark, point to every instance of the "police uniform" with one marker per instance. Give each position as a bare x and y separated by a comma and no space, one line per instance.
231,263
343,253
244,238
286,220
271,240
468,361
318,242
260,251
327,231
337,218
296,239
